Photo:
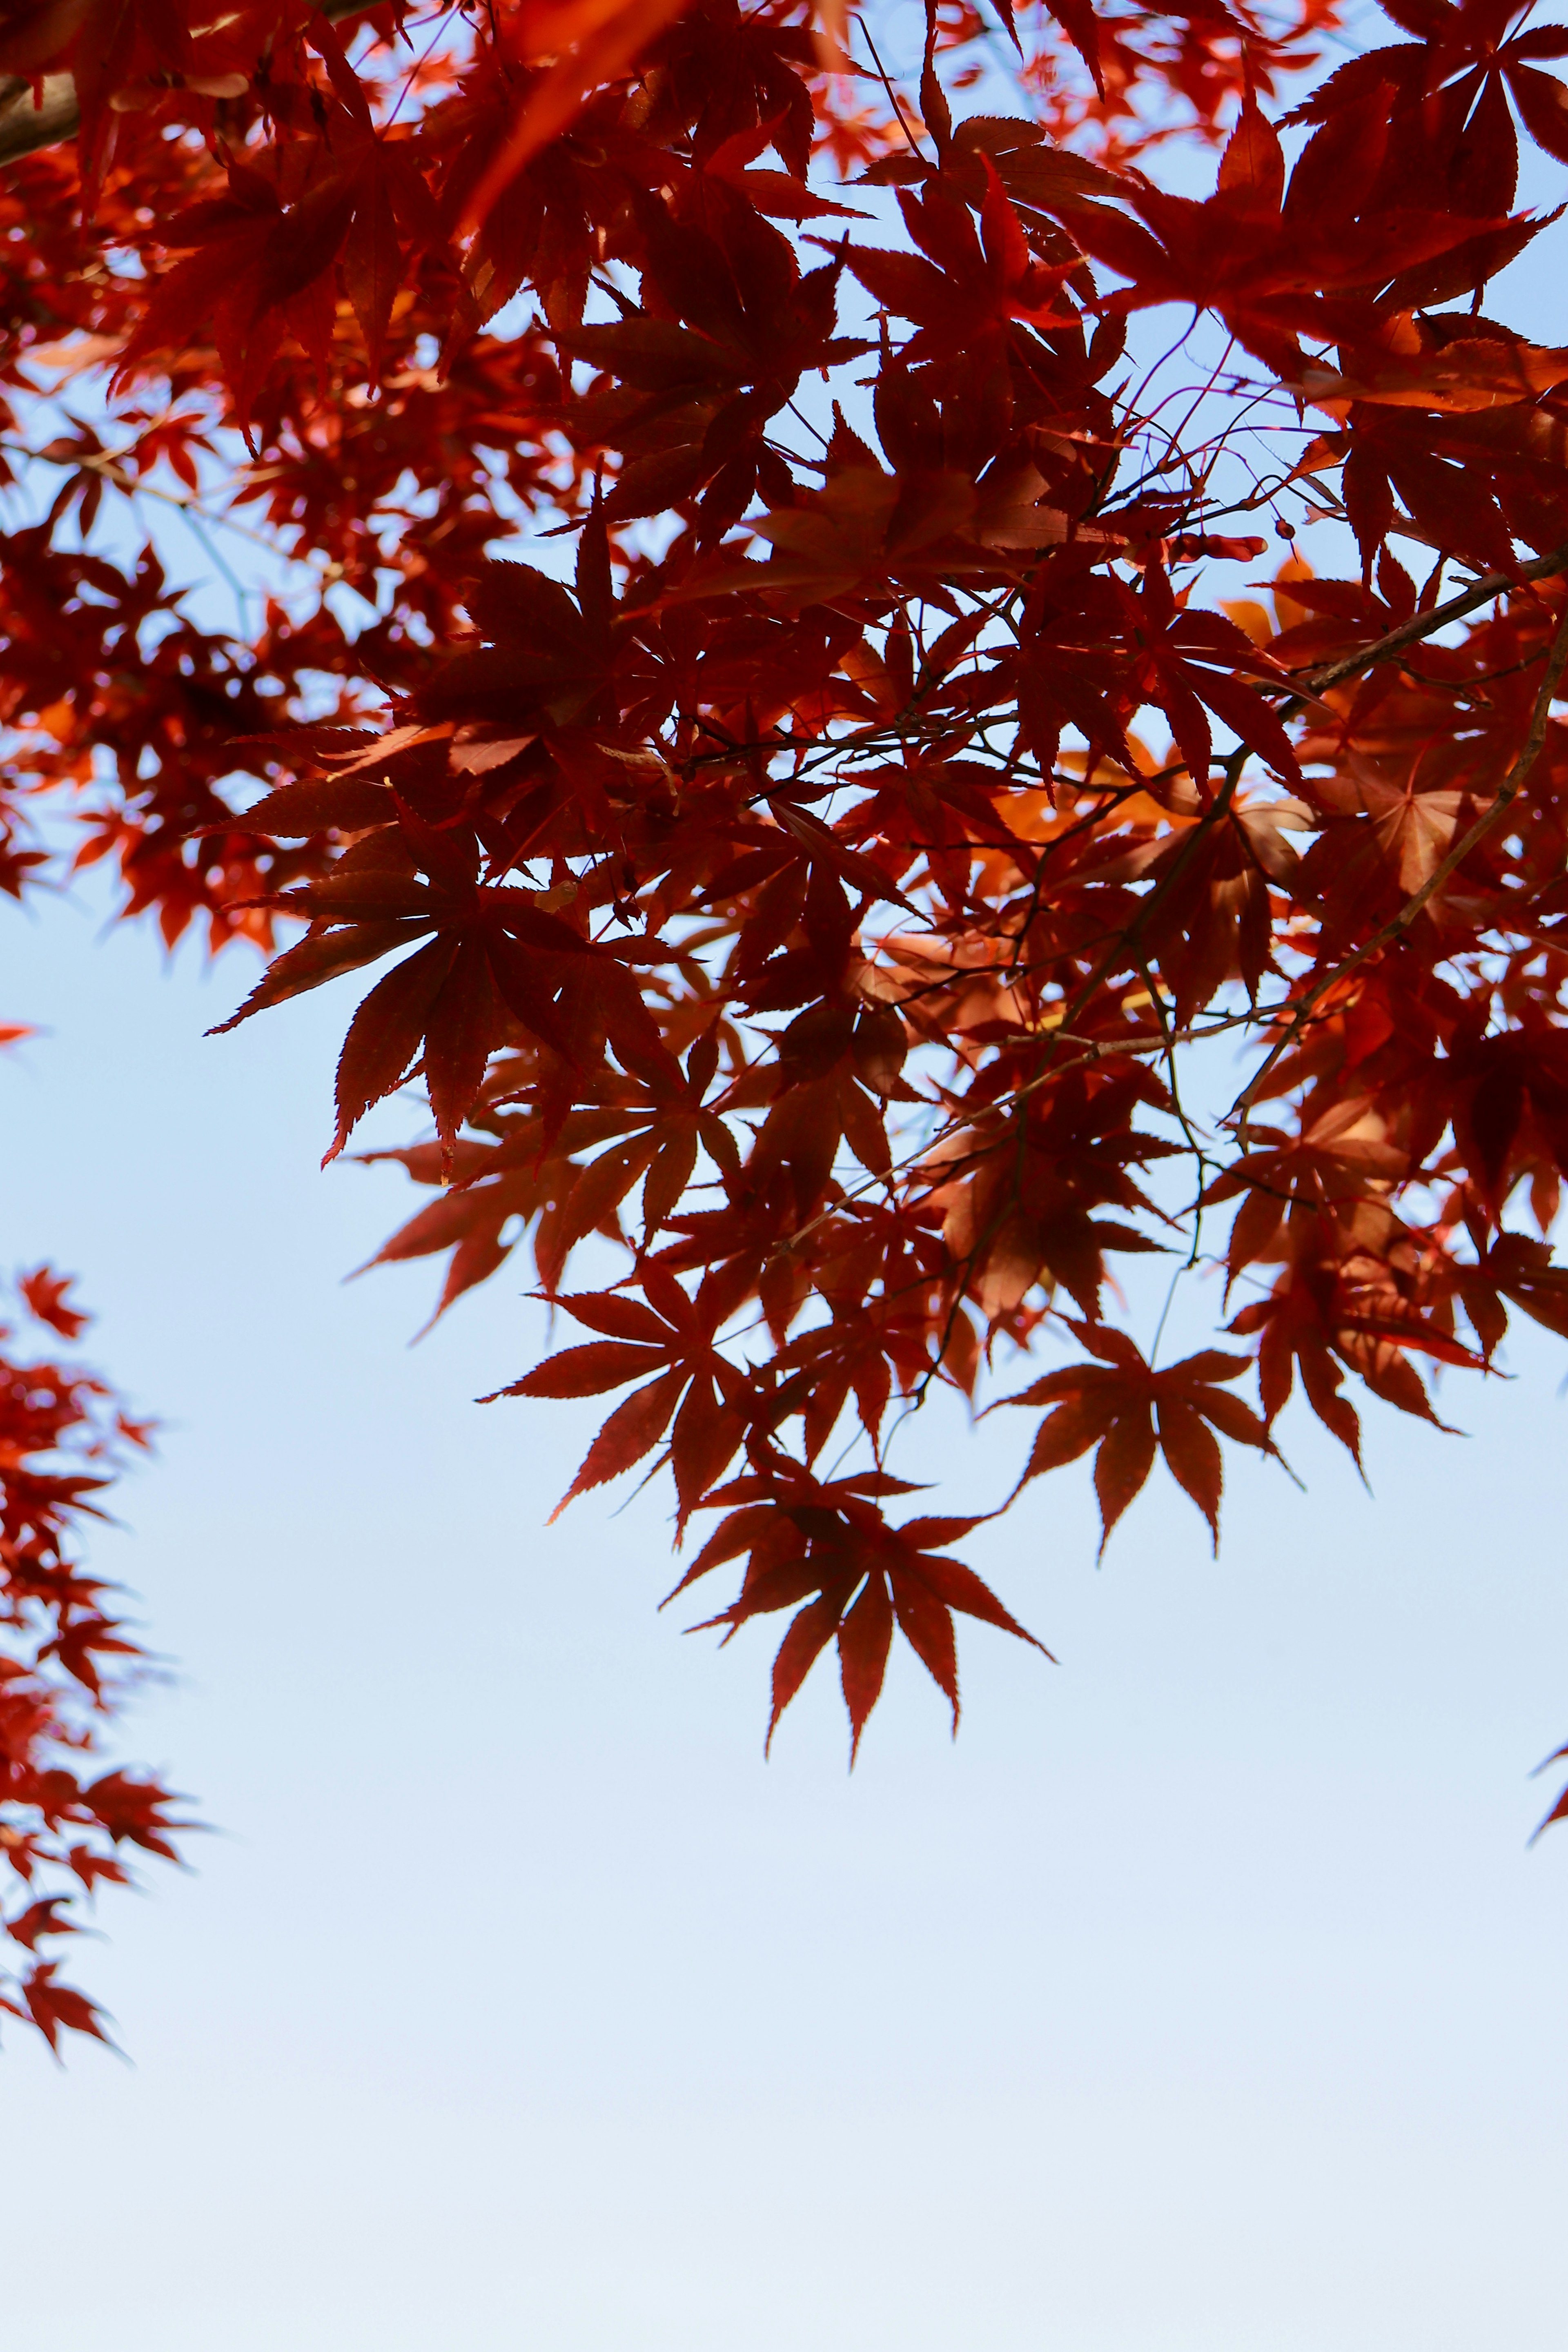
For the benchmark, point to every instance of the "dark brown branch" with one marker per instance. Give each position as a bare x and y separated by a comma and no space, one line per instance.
1425,625
25,126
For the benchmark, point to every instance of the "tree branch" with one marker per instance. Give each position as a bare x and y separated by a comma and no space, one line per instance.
1426,625
25,126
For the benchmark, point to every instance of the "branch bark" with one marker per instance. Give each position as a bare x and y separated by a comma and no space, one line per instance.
26,126
1425,625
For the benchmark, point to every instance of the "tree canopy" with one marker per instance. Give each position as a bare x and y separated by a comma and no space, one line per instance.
817,717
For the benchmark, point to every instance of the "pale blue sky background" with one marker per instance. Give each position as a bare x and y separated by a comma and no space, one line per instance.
1202,1999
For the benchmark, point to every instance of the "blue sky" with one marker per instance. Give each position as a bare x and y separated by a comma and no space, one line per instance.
1202,1998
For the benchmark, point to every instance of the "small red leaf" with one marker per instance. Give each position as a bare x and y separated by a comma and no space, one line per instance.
809,1635
633,1430
386,1035
586,1371
865,1638
1123,1464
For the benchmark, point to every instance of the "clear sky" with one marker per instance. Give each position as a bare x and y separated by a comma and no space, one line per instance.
1202,1998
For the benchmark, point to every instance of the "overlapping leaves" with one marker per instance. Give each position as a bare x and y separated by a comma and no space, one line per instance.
803,925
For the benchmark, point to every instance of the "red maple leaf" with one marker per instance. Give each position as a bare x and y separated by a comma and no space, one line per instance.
1127,1411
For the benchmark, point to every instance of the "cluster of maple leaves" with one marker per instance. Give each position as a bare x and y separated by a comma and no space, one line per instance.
65,1657
751,665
